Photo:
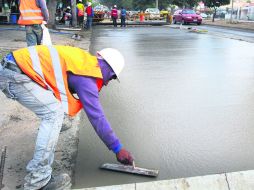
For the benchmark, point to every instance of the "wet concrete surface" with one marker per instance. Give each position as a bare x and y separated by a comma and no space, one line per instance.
185,105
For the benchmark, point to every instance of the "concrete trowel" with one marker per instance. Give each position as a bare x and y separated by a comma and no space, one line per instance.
130,169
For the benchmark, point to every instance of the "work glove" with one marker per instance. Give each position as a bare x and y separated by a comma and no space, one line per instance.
124,157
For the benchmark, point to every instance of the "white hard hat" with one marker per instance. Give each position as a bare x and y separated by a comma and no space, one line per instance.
115,6
114,58
80,0
89,3
68,7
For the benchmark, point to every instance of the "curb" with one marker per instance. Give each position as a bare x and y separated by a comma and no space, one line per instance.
242,180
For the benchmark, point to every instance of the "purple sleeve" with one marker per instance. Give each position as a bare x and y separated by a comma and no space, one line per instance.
42,4
87,91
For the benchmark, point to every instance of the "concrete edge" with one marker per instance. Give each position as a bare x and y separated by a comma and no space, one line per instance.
242,180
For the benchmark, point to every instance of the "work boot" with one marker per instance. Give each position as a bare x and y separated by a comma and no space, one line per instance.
60,182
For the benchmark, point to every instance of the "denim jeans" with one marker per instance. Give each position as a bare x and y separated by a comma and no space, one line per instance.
89,22
43,103
114,21
123,21
33,34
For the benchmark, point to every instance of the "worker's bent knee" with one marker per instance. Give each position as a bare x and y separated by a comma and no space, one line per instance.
56,114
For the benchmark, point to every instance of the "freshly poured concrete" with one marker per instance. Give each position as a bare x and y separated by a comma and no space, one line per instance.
185,106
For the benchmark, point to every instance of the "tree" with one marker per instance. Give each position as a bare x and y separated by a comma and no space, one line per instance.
185,3
52,11
143,4
51,4
74,12
215,4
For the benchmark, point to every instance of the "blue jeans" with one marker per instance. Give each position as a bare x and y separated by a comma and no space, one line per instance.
43,103
123,21
89,22
33,35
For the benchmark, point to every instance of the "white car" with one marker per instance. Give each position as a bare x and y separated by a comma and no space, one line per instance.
203,15
153,13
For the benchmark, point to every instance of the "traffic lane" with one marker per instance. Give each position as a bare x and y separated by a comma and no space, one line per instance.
233,33
184,105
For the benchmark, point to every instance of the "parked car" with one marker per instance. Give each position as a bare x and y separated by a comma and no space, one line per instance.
164,13
152,13
99,12
131,15
203,15
186,16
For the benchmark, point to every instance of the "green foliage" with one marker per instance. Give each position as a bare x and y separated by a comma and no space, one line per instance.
215,3
186,3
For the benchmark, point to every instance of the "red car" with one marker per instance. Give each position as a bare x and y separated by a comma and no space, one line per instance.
186,16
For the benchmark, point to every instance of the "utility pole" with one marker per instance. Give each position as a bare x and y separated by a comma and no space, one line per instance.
231,15
74,14
157,4
52,11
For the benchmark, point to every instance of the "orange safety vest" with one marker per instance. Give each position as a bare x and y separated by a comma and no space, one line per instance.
48,67
30,13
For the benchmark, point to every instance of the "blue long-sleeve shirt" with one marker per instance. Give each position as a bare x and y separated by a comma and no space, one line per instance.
87,91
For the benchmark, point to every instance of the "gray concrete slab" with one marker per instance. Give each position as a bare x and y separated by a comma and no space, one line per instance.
242,180
115,187
212,182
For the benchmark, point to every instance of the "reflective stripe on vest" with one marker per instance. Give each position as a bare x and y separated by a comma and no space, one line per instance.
36,61
31,18
59,77
30,11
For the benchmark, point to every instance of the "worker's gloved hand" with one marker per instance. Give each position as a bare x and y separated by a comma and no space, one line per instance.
124,157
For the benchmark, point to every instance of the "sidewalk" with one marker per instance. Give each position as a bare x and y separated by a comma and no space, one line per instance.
249,25
226,181
19,126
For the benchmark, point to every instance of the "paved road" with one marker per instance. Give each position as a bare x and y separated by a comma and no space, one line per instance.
233,33
185,105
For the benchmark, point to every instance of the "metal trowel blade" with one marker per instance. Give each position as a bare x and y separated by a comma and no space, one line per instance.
130,169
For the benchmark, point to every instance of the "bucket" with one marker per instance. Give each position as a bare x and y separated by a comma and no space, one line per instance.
13,19
67,23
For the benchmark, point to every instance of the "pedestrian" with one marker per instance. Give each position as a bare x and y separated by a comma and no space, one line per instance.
67,16
32,14
80,13
123,17
89,13
141,16
114,15
51,81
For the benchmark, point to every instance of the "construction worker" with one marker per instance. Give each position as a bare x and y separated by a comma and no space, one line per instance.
123,17
80,13
51,81
89,14
32,14
114,15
